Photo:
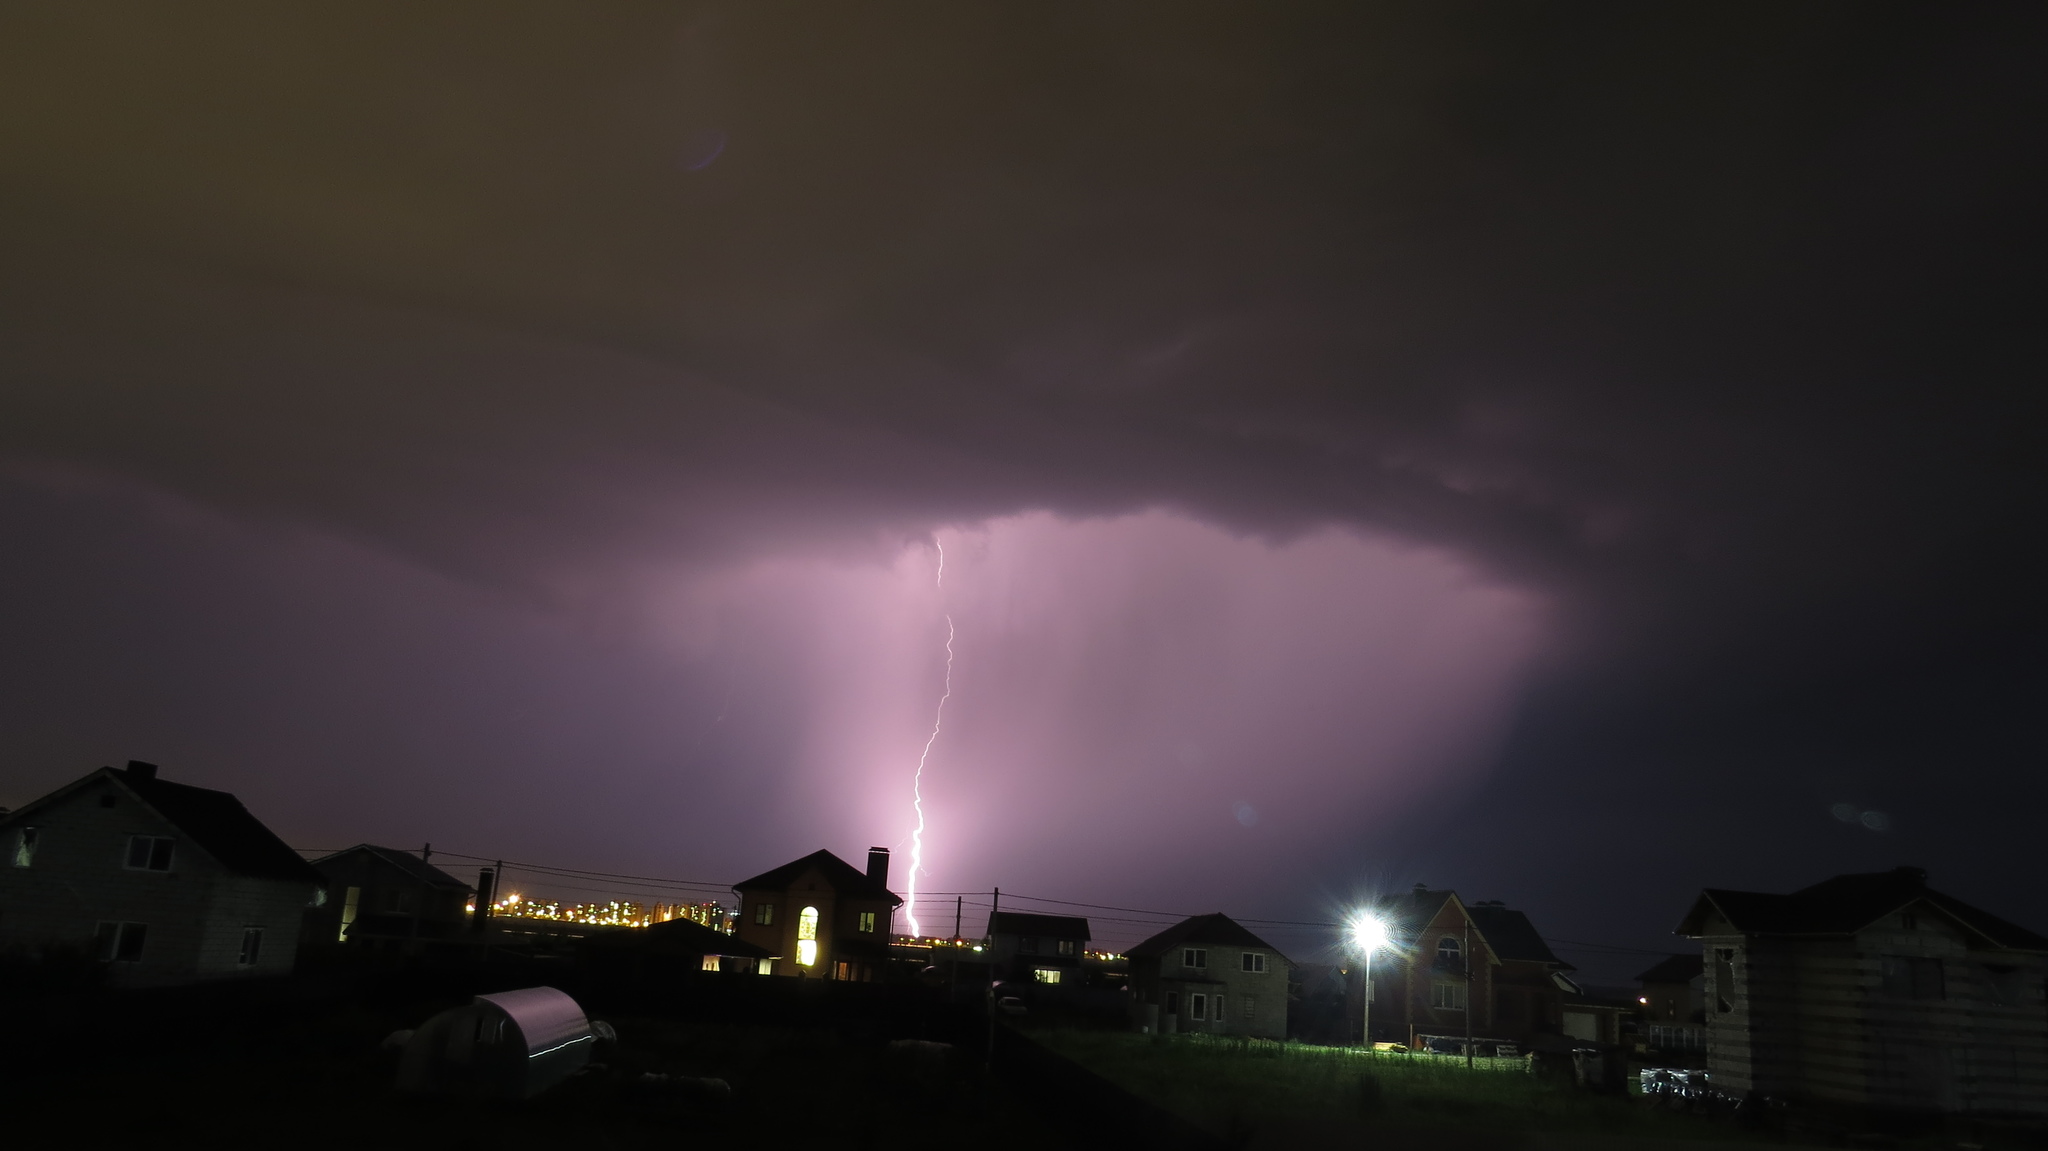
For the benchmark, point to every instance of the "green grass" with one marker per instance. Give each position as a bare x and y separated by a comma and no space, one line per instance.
1281,1093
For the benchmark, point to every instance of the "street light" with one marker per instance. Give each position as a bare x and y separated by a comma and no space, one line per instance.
1370,934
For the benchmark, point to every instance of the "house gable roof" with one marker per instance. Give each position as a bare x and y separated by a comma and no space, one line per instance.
412,865
1511,935
1216,930
678,937
1423,907
1847,904
842,877
1025,923
215,822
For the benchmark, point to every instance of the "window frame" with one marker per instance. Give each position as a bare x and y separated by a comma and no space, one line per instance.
1450,950
764,915
1047,975
1069,947
1255,962
1195,958
125,943
1198,1006
866,922
26,840
252,946
160,847
1447,995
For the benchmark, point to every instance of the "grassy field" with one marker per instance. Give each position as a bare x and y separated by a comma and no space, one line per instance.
1273,1094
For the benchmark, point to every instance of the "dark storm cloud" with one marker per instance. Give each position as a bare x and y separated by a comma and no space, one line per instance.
1712,326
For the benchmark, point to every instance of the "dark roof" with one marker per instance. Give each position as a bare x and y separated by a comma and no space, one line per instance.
419,869
1849,903
221,826
1025,923
1511,934
679,937
1218,929
1677,969
842,876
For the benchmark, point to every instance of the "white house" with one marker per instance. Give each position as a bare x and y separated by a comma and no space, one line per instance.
164,882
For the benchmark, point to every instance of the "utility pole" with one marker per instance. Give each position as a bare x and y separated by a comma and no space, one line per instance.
1468,990
994,901
953,991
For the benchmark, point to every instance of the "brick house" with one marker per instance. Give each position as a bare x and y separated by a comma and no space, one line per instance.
1037,948
1873,990
388,898
164,882
1208,975
1447,958
821,916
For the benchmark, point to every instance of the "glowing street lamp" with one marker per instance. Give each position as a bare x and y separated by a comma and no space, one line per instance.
1370,934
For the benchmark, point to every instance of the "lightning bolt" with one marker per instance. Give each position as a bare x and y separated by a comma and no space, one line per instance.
917,781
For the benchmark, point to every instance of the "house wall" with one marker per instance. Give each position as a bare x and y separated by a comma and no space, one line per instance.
194,913
1155,978
1812,1018
1421,969
436,912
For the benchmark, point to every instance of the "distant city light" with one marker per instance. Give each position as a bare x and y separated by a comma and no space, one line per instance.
613,913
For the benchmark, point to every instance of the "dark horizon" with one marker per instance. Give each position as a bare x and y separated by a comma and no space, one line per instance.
1572,455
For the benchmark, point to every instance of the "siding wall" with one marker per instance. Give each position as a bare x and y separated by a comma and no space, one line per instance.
1811,1018
195,912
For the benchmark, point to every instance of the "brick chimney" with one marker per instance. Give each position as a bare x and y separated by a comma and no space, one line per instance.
878,866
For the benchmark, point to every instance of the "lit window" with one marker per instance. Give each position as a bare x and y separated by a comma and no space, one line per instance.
764,914
252,946
1198,1006
1255,961
119,942
842,970
807,937
1194,957
348,912
867,921
1046,974
1448,949
1446,994
1251,1007
149,853
25,847
711,963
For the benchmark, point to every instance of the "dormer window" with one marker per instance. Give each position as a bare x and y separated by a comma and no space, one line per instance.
1449,950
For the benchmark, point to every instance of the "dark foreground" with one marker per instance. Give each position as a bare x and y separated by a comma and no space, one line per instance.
300,1063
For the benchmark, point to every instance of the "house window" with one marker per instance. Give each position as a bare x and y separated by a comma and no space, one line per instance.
764,914
1724,979
1027,945
807,937
1069,946
1173,1003
711,963
1194,957
119,942
1045,974
1447,994
349,905
842,970
1911,977
25,846
1251,1007
398,901
1448,949
252,946
149,853
867,921
1198,1006
1255,961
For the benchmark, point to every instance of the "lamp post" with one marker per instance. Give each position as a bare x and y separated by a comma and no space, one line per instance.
1370,934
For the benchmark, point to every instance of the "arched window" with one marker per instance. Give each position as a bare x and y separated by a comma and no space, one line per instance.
1447,949
807,937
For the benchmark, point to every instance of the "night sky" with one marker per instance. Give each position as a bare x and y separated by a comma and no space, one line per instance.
1573,453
